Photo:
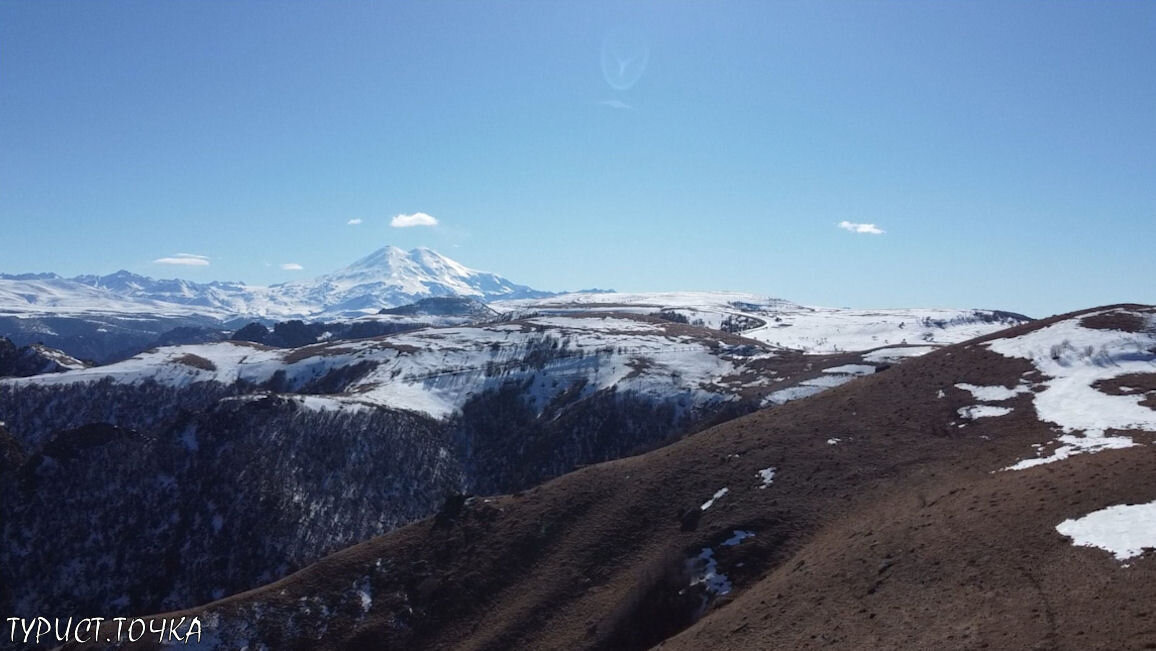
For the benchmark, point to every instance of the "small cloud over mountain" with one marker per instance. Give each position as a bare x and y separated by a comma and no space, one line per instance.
415,219
871,229
292,266
186,259
353,222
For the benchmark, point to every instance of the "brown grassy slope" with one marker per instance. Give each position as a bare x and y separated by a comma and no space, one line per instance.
900,536
959,562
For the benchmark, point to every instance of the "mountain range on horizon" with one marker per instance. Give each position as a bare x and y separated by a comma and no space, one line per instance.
105,318
388,277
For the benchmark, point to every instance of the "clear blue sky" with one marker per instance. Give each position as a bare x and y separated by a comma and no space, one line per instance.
1007,149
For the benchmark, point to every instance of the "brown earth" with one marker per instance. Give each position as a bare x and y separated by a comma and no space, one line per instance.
1126,319
904,534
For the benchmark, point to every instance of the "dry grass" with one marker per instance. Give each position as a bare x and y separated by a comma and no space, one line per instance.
196,361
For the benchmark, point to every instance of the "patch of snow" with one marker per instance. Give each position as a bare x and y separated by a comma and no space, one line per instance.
596,323
806,388
940,394
886,355
709,503
1093,441
783,396
993,393
738,537
828,381
328,403
833,441
851,369
361,588
1124,530
982,411
766,476
705,572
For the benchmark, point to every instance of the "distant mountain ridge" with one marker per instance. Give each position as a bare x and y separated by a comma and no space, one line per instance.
388,277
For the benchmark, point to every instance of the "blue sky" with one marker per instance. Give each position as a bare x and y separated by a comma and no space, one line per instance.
1006,149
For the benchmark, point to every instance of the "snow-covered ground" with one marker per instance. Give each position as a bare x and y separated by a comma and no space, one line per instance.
835,376
789,325
55,296
599,339
1124,530
436,370
766,476
994,393
714,498
891,355
1073,359
983,411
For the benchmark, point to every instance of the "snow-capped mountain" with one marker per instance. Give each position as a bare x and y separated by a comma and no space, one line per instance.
388,277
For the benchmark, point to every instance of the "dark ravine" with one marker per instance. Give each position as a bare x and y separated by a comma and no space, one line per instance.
104,338
221,491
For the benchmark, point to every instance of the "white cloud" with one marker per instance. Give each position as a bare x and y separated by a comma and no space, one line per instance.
292,266
353,222
871,229
187,259
616,104
416,219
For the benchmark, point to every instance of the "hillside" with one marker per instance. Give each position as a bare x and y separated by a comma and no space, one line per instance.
266,459
982,495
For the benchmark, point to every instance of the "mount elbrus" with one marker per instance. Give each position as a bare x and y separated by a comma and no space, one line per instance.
106,318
